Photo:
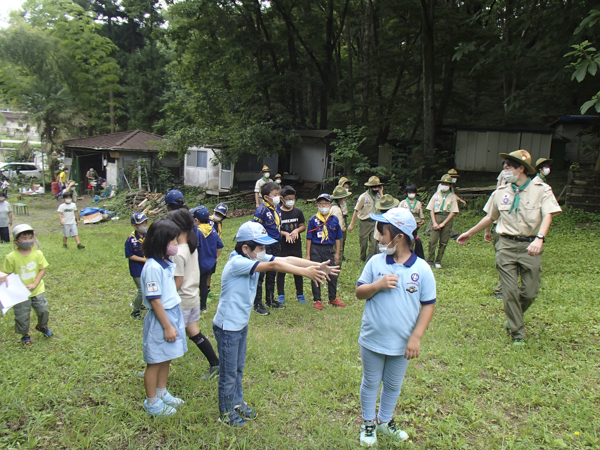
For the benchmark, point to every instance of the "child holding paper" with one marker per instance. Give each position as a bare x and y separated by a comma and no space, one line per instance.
29,264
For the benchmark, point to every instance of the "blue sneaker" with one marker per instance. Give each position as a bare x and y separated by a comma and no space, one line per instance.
281,299
44,330
301,298
172,401
232,419
159,409
245,411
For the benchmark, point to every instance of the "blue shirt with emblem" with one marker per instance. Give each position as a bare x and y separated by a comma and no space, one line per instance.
266,217
391,315
133,247
238,289
158,282
315,230
207,249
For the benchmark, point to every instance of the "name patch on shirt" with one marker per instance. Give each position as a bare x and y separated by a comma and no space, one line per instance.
151,286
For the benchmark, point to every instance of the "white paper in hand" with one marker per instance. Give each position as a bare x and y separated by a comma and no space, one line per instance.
12,292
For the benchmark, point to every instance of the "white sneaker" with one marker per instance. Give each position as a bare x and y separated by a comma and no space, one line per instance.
389,429
368,434
438,266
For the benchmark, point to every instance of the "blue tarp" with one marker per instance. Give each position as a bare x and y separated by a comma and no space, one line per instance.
89,210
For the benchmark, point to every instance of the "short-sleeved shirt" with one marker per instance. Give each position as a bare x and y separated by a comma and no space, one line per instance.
336,210
133,247
315,230
68,211
238,289
27,267
391,315
186,266
344,207
443,203
260,183
4,210
158,282
207,250
417,210
535,202
62,177
266,217
290,221
366,205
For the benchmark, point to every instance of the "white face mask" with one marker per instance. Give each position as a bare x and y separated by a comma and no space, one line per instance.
259,256
267,174
276,200
546,171
509,176
289,203
411,196
278,181
142,229
325,210
383,248
347,189
454,180
444,188
68,200
216,218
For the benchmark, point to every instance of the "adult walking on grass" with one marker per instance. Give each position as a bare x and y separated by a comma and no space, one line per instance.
524,209
442,207
364,207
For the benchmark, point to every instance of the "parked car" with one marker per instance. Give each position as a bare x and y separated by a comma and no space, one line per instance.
13,169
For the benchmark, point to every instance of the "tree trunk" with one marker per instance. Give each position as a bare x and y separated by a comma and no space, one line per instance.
350,73
429,124
111,110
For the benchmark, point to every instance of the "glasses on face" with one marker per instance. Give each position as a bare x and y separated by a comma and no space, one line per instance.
289,199
323,204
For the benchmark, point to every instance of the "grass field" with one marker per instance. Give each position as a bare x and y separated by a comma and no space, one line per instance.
469,389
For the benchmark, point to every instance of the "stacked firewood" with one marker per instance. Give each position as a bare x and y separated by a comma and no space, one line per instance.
149,203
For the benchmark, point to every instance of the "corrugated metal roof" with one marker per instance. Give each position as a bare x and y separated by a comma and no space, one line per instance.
123,140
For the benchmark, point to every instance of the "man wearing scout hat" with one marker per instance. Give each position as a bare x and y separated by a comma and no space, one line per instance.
524,210
266,173
442,207
542,167
364,207
386,203
339,198
345,183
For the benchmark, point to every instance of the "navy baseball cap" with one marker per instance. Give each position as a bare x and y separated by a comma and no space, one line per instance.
137,218
221,208
200,213
255,232
172,196
325,196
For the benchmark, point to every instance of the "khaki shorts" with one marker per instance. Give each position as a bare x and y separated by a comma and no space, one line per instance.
191,315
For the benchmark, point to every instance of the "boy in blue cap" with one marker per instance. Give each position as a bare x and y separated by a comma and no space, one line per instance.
174,200
269,216
209,249
230,324
135,255
323,243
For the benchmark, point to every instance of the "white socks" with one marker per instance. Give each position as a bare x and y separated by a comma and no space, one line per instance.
160,393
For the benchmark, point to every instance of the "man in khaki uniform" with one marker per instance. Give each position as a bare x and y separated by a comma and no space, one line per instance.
524,210
366,227
442,207
542,167
266,173
339,205
386,203
416,207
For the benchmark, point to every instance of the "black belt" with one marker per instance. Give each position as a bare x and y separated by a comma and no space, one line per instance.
519,238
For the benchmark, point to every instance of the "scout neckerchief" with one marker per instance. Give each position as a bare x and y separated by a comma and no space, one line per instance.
371,195
517,190
444,200
277,218
542,177
264,179
138,237
205,228
325,234
410,205
219,225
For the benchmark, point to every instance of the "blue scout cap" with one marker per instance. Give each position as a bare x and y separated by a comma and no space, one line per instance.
221,208
401,218
325,196
255,232
172,196
137,218
200,213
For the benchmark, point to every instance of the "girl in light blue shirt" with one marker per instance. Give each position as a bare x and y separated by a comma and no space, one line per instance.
399,289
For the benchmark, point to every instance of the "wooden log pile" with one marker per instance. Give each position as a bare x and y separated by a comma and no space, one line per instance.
149,203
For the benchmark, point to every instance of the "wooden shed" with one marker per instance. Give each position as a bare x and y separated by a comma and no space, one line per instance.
477,148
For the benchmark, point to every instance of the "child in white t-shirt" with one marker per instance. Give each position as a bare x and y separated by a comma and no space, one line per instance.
69,219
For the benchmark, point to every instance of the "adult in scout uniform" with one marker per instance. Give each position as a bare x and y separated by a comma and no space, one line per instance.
266,173
454,177
339,205
278,178
412,202
542,167
524,210
443,206
384,204
364,207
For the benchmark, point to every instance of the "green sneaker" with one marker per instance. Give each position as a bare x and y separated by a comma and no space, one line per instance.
368,434
389,429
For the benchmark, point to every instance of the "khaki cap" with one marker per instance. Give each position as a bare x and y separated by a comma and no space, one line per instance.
522,157
453,173
446,179
343,180
340,192
387,202
373,181
265,168
541,161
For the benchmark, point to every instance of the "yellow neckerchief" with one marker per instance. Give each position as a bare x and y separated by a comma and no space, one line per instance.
276,214
325,234
218,224
205,228
139,239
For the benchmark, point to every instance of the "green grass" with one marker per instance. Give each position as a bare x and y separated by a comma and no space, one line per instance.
469,388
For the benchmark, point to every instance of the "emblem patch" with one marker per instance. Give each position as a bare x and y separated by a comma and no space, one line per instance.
411,289
151,286
414,277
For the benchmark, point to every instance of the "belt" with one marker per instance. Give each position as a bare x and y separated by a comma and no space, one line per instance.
519,238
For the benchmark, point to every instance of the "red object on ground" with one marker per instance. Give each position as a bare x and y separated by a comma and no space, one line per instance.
55,188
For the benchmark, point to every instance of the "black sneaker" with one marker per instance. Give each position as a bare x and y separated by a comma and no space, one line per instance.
143,307
245,412
275,305
232,419
136,315
65,246
80,246
260,309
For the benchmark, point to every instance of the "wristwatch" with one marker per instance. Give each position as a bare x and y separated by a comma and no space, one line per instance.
542,237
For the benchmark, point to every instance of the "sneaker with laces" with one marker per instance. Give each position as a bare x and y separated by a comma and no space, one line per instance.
174,402
44,330
281,299
337,302
261,310
136,315
274,304
368,434
301,298
159,409
80,246
213,372
390,429
143,307
232,419
245,412
26,340
318,305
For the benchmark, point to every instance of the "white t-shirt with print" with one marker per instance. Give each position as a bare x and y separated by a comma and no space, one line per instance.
68,211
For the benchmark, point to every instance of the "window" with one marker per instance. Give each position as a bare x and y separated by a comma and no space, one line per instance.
197,158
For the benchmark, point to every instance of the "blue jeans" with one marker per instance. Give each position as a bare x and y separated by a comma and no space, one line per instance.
232,359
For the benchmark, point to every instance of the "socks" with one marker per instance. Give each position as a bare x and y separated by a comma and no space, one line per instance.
151,401
160,392
205,347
